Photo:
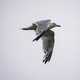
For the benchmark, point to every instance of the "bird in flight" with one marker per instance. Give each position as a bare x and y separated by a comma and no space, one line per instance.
42,29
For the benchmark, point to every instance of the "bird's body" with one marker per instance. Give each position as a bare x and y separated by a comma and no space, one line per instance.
41,26
42,29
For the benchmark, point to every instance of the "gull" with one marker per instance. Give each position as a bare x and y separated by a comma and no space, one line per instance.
42,29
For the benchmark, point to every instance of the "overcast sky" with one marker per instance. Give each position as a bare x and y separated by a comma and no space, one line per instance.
20,58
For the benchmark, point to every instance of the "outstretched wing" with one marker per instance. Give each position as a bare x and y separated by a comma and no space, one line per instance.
48,44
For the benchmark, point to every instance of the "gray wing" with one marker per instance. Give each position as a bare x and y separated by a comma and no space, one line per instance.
48,44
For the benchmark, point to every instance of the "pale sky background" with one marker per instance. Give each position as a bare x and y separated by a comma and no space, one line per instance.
20,58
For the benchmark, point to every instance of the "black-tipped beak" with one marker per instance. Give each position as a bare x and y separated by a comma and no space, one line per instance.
58,26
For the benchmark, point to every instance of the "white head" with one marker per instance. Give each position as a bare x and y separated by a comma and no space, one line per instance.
52,25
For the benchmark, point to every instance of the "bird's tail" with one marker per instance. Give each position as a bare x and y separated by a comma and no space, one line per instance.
47,57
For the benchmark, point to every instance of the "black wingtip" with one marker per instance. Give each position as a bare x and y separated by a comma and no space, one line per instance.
47,57
23,28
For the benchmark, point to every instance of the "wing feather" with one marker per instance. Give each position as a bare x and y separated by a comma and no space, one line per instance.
48,44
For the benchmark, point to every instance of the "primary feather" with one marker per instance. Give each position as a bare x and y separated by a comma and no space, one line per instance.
48,44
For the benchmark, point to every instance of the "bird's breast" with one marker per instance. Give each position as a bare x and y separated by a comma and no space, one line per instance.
39,30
